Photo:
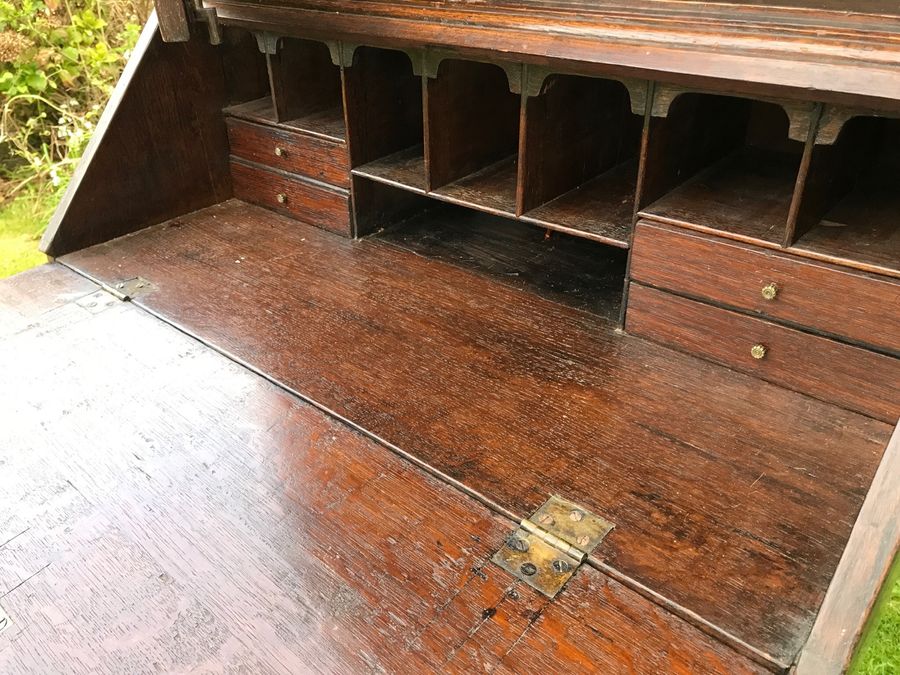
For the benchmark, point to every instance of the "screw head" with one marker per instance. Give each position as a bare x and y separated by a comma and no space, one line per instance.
279,152
561,566
770,291
583,540
758,351
546,519
281,198
528,569
576,515
517,544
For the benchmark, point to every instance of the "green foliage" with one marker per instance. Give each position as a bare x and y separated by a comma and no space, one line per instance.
879,653
22,221
59,61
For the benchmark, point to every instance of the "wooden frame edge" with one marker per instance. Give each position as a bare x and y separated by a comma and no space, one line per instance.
109,113
864,567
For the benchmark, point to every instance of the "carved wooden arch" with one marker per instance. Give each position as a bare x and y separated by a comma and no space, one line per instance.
432,59
835,117
535,81
802,115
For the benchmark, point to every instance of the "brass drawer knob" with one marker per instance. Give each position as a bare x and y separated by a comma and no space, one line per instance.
758,351
769,291
281,198
279,152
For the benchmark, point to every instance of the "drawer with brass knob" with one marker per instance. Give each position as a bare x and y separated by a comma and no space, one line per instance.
836,301
825,369
318,158
314,203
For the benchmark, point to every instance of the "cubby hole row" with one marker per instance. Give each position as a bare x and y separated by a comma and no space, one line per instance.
568,157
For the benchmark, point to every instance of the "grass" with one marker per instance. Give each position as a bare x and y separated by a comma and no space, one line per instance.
22,222
879,653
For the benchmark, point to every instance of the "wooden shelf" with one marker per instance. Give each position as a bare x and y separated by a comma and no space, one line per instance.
567,270
492,189
404,169
862,230
601,209
746,195
325,123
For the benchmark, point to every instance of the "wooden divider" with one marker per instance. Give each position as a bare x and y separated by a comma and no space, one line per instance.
850,201
578,158
472,132
724,163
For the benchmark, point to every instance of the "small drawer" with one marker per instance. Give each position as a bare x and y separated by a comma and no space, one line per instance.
308,156
851,377
856,306
313,203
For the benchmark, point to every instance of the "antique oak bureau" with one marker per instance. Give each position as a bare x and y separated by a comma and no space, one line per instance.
644,256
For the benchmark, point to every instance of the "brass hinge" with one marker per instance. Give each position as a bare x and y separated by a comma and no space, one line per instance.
547,548
126,289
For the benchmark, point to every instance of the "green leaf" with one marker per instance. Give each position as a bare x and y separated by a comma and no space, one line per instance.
36,81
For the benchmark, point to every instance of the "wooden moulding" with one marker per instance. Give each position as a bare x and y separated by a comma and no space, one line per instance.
753,48
864,566
183,147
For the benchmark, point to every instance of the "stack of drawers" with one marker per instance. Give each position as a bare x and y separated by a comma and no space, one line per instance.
827,331
296,173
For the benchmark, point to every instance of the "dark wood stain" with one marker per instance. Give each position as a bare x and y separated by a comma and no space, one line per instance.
743,529
182,513
836,301
184,168
571,271
854,378
300,154
729,45
472,123
316,204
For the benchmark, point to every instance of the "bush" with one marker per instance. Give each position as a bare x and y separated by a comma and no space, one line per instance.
60,60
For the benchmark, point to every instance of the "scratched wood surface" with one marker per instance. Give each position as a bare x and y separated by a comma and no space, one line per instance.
732,498
164,509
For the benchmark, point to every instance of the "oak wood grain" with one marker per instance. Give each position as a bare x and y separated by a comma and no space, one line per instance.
852,377
177,132
314,203
180,513
291,152
840,302
515,396
747,47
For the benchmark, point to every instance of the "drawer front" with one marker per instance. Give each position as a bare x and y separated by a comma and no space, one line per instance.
851,377
328,208
860,307
295,153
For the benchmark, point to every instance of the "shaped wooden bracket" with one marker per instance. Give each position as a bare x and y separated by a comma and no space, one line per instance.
268,43
835,117
432,58
211,19
802,115
341,52
535,80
